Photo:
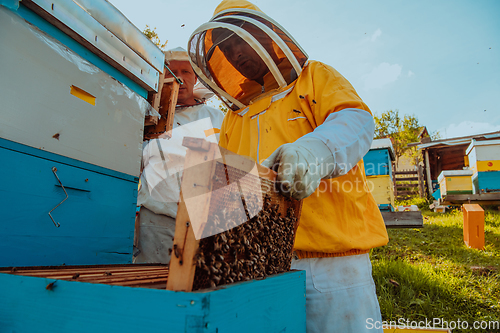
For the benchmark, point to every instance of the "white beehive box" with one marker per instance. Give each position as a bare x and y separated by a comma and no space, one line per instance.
484,161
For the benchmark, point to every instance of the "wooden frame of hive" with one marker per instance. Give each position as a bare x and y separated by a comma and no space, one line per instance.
129,275
201,182
155,126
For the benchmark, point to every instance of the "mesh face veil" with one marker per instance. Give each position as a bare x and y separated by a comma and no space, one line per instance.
278,58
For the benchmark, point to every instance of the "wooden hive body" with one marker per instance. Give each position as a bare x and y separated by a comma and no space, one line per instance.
100,298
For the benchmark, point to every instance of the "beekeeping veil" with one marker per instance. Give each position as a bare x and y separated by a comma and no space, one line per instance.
236,18
200,92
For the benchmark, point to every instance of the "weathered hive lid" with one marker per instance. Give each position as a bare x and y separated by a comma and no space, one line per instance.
103,29
475,143
385,143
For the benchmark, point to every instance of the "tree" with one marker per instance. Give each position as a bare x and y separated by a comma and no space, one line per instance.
401,131
153,36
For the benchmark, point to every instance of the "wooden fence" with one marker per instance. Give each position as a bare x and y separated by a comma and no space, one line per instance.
408,183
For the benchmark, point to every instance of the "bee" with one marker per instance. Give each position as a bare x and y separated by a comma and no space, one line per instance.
176,251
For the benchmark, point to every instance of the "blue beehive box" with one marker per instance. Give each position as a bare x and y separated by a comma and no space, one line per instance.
484,161
378,160
378,170
43,304
71,132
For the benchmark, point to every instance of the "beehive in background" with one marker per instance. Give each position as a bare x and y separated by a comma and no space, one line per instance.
382,189
455,182
484,161
379,174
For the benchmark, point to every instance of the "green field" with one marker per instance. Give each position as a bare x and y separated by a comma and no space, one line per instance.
430,273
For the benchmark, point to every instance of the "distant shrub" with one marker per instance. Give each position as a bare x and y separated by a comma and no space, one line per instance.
421,203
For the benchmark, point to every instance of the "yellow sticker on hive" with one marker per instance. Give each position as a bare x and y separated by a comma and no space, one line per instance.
212,131
83,95
492,165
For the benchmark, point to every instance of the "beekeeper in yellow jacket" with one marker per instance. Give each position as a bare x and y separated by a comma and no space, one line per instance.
306,121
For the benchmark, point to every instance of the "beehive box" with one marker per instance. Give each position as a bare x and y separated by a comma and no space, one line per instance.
382,189
378,171
256,298
484,161
71,133
132,298
378,160
455,182
59,102
232,224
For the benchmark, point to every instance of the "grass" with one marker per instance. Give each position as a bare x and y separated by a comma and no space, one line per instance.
430,272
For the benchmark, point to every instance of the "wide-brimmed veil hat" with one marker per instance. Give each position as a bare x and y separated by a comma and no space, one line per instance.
280,52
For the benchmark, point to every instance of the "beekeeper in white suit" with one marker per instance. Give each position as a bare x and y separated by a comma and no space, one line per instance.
163,160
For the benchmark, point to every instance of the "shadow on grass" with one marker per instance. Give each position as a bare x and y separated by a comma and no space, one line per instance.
438,242
414,293
426,273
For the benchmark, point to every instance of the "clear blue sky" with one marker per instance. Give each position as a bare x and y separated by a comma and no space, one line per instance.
438,60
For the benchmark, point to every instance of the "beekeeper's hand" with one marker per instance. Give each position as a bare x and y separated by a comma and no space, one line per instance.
301,166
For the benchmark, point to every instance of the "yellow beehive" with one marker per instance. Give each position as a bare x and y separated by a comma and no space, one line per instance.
382,189
455,182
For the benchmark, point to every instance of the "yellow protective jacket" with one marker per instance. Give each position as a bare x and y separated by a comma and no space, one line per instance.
341,217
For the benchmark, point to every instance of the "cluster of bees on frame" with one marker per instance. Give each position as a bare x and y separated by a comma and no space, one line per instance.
260,247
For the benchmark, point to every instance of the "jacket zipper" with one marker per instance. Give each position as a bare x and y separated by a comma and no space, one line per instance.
258,133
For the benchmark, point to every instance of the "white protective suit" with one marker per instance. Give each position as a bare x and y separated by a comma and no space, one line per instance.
160,181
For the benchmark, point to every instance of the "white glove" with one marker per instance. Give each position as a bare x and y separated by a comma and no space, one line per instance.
301,166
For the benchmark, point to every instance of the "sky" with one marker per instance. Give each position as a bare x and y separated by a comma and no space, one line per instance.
436,60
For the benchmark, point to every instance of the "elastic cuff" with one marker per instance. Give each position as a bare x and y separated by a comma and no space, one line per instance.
307,254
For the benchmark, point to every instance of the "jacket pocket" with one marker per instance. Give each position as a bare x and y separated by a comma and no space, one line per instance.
297,124
340,273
